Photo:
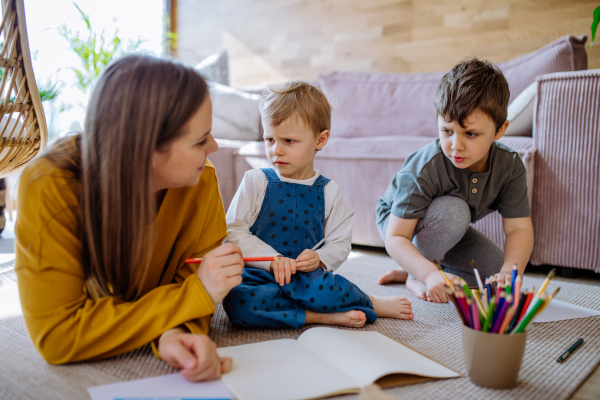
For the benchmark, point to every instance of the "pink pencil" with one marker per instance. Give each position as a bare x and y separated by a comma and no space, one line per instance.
246,259
517,289
475,316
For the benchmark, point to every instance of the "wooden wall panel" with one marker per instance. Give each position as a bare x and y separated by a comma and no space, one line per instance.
271,41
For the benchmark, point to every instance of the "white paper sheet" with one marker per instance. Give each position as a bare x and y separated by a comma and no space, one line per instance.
559,310
166,387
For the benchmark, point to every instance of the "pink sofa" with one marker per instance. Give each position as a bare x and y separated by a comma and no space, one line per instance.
379,119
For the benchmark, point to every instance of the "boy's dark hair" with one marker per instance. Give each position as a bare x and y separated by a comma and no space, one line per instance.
473,84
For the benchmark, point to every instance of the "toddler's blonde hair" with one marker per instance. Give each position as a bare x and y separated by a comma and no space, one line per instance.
309,102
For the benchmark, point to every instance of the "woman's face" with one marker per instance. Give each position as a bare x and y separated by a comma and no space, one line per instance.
181,163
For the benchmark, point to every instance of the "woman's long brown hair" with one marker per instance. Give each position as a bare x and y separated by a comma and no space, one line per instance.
138,106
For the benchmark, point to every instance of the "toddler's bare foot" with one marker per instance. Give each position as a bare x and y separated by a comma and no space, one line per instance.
351,319
418,288
392,307
393,275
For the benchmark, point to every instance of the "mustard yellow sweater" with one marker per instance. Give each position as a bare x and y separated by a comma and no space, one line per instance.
63,322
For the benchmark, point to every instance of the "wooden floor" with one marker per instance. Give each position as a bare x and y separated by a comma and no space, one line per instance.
590,390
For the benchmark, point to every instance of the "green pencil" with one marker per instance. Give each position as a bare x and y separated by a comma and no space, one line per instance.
490,314
529,316
466,287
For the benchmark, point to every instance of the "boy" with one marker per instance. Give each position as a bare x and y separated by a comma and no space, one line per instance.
284,211
458,179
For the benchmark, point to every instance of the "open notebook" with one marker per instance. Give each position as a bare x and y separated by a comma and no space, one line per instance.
324,362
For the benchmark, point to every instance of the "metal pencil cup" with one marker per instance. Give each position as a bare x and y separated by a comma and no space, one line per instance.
493,361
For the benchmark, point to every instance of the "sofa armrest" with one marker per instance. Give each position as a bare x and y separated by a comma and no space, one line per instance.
566,132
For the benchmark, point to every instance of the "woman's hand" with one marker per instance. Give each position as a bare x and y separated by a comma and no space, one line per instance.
220,271
283,268
308,261
196,355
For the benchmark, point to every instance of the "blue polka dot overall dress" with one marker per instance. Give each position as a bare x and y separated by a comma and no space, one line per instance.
291,219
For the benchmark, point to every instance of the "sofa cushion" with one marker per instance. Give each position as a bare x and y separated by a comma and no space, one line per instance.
520,112
383,104
236,113
215,68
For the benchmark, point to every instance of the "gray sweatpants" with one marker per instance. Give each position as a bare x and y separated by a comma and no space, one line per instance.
445,234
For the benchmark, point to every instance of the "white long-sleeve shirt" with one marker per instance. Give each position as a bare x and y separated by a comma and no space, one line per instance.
247,203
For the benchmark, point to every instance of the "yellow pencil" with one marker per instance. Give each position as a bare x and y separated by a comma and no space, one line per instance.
480,304
546,282
548,301
439,267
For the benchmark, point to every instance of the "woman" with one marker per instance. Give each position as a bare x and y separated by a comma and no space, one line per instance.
107,219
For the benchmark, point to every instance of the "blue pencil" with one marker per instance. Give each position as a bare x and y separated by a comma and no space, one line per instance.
515,272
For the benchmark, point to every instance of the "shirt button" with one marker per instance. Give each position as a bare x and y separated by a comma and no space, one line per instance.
474,180
473,190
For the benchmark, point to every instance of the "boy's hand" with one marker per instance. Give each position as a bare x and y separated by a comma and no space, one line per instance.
196,355
308,261
282,269
436,287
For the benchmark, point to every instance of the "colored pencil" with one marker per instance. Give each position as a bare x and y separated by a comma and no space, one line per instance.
488,319
480,304
500,318
246,259
546,282
462,302
499,307
465,287
507,319
439,267
534,310
475,316
515,272
516,316
488,287
450,293
549,298
527,302
517,289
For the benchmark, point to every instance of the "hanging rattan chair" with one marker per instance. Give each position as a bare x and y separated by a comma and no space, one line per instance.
23,131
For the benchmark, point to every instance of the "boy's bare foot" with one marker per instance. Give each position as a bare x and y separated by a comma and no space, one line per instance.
392,276
392,307
351,319
418,288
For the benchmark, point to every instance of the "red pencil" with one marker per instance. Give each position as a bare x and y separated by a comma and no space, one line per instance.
246,259
526,305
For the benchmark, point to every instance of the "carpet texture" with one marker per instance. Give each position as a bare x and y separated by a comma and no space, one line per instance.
435,332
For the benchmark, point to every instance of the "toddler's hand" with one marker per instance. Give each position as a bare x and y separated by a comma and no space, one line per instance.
436,291
282,269
308,261
503,278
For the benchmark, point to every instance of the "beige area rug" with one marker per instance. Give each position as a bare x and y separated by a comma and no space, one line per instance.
435,332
